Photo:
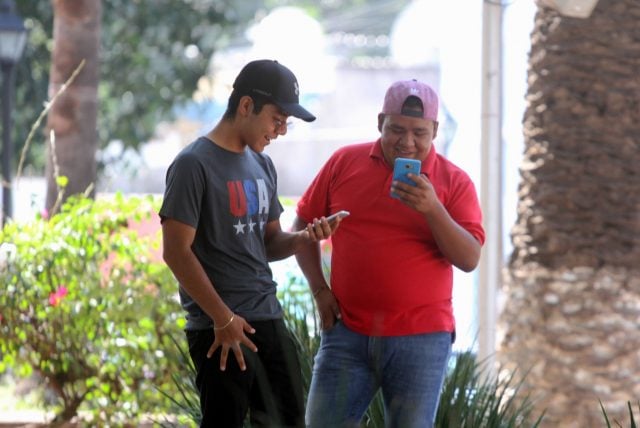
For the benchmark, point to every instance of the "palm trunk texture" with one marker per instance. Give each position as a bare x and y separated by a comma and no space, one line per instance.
571,312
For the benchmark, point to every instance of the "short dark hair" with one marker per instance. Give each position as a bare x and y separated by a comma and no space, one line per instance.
234,100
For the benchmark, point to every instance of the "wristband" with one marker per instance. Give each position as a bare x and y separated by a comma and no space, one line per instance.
226,325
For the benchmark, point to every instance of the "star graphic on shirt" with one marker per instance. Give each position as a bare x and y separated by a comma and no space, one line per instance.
251,224
239,227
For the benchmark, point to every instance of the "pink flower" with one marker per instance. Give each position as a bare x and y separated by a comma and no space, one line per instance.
44,214
56,297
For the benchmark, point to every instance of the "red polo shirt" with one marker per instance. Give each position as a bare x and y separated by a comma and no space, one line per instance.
387,272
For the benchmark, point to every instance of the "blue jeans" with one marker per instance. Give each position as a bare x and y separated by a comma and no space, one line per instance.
349,368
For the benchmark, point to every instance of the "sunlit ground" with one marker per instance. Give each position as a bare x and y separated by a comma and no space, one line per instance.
19,402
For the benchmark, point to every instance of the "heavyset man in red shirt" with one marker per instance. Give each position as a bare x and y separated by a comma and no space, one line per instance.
387,317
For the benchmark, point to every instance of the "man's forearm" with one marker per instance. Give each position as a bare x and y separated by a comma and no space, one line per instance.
284,244
194,280
308,258
454,242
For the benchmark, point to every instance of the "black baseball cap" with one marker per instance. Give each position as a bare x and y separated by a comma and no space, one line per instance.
275,82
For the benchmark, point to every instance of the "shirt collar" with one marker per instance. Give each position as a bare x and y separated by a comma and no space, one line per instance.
427,164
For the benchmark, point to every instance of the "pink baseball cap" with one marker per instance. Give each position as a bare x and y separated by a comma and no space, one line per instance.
398,93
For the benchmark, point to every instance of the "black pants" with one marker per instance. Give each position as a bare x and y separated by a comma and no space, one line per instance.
270,388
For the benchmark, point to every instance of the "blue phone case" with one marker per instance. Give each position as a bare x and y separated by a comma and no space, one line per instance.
402,167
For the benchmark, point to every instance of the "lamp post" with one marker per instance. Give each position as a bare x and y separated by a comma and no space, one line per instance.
13,36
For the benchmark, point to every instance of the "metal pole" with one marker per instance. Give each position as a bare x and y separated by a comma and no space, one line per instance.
491,188
7,148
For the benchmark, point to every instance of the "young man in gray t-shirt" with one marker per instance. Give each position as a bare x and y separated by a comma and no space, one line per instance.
220,226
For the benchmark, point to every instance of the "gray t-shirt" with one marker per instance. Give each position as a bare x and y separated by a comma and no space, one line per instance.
229,198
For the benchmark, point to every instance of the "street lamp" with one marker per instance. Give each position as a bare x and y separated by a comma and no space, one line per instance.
13,36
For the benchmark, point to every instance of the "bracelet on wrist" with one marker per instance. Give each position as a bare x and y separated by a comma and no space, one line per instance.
226,325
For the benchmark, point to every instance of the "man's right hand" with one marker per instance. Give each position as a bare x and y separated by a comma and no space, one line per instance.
328,308
230,338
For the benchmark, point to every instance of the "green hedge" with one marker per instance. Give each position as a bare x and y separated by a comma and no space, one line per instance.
86,308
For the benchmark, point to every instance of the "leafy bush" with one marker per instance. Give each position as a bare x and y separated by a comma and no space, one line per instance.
182,395
472,398
86,307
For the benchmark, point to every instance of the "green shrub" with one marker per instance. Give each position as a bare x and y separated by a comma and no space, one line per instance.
472,398
86,307
183,400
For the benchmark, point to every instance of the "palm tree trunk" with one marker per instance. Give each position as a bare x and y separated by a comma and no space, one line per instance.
572,307
73,117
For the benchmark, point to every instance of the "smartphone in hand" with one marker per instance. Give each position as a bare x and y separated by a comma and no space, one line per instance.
402,167
341,214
